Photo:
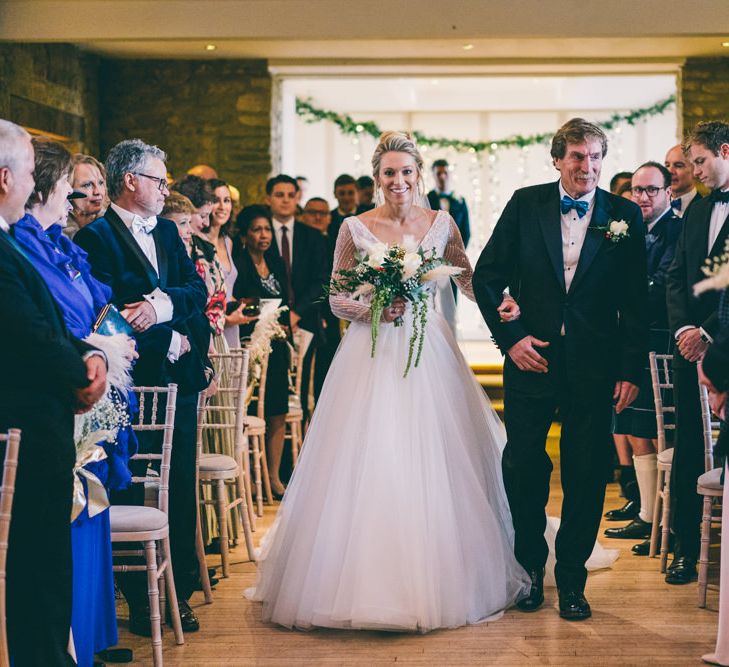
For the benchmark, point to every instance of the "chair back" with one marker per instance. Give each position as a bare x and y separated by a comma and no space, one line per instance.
710,428
10,466
662,380
152,418
302,341
257,389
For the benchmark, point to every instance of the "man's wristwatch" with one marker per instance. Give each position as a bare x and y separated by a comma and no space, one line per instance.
704,336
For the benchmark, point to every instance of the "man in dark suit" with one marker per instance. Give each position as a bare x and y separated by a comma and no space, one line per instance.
47,374
345,192
443,198
158,291
573,256
694,323
683,187
306,258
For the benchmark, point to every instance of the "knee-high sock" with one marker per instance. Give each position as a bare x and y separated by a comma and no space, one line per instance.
645,472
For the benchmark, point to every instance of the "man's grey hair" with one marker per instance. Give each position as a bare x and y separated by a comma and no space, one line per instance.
128,157
10,136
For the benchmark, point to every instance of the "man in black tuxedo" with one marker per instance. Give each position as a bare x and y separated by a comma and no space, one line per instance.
580,342
47,374
157,289
345,192
694,322
683,187
305,255
443,198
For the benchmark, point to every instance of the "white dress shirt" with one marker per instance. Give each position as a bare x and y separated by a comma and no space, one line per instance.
160,301
277,226
574,230
4,225
686,199
719,213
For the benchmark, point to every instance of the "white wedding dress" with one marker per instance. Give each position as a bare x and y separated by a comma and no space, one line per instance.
396,516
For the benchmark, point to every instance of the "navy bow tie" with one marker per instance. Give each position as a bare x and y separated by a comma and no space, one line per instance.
567,204
719,197
676,203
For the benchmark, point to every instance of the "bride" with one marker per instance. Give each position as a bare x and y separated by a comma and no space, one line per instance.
396,516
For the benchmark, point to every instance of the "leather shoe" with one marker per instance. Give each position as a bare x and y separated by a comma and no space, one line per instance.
139,623
681,571
625,513
190,622
637,529
573,606
644,548
535,599
197,586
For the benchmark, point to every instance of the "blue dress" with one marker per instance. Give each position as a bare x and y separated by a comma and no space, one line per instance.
62,264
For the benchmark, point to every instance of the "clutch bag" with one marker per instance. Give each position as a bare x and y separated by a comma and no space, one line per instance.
110,322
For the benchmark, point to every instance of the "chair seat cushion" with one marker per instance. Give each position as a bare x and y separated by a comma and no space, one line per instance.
135,519
666,456
711,479
217,463
253,422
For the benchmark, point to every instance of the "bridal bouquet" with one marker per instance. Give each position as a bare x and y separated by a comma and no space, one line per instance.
390,271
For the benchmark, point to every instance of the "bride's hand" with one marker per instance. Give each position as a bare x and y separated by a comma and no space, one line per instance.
509,309
394,310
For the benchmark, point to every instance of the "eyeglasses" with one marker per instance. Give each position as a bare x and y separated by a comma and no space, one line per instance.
162,183
651,190
318,214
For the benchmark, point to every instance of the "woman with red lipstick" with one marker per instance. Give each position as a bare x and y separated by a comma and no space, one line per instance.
89,177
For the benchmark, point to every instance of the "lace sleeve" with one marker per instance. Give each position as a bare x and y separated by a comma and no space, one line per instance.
343,305
455,253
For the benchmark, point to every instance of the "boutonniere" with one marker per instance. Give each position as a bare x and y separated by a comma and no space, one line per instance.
615,230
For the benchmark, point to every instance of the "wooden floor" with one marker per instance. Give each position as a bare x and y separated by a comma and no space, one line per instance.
637,620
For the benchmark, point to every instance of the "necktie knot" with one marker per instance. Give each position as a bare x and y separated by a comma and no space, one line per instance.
719,197
145,225
580,206
676,204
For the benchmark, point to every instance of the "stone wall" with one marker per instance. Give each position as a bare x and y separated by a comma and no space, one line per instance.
704,90
212,112
52,88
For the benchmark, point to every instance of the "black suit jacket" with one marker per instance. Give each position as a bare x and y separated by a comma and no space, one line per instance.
310,269
604,312
684,309
660,245
117,260
457,208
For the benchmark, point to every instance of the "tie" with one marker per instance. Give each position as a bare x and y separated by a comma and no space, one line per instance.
719,197
286,254
145,225
567,204
676,204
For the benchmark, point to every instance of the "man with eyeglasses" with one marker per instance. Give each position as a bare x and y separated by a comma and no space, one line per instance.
317,215
634,429
157,289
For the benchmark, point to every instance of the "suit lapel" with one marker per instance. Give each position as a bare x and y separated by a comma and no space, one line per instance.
162,259
126,239
594,237
551,223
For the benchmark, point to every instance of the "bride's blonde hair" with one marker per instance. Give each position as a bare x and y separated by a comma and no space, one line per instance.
398,142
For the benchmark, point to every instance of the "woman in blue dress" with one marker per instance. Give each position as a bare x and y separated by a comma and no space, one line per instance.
63,266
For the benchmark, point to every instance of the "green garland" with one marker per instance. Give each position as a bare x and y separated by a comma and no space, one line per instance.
348,125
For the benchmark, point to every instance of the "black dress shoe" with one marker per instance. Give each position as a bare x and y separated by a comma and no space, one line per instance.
637,529
644,548
573,606
139,623
189,620
197,586
627,512
535,599
681,571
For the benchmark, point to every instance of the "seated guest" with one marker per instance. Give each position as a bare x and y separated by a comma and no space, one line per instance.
63,266
200,194
345,191
619,180
317,215
262,275
625,190
89,178
48,374
365,194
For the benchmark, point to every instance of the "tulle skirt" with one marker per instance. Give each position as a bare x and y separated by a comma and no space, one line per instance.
396,516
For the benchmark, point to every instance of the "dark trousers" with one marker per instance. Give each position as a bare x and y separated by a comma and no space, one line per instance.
530,403
182,509
325,353
688,461
39,569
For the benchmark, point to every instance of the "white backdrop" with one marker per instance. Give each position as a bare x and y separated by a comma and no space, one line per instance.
473,108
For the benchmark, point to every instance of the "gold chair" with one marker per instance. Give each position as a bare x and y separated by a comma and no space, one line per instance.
294,423
150,525
10,466
256,433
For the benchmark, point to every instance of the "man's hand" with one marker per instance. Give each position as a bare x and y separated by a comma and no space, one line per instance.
96,373
625,393
717,402
509,309
184,345
705,380
140,314
211,389
690,345
526,357
294,319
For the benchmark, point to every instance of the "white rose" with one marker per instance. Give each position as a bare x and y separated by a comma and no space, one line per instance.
376,255
619,227
410,264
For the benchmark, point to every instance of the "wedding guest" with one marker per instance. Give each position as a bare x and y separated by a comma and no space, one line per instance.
48,374
203,171
64,268
89,178
683,187
155,285
317,215
694,323
345,192
442,198
201,195
625,190
634,428
365,193
235,208
619,181
261,274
